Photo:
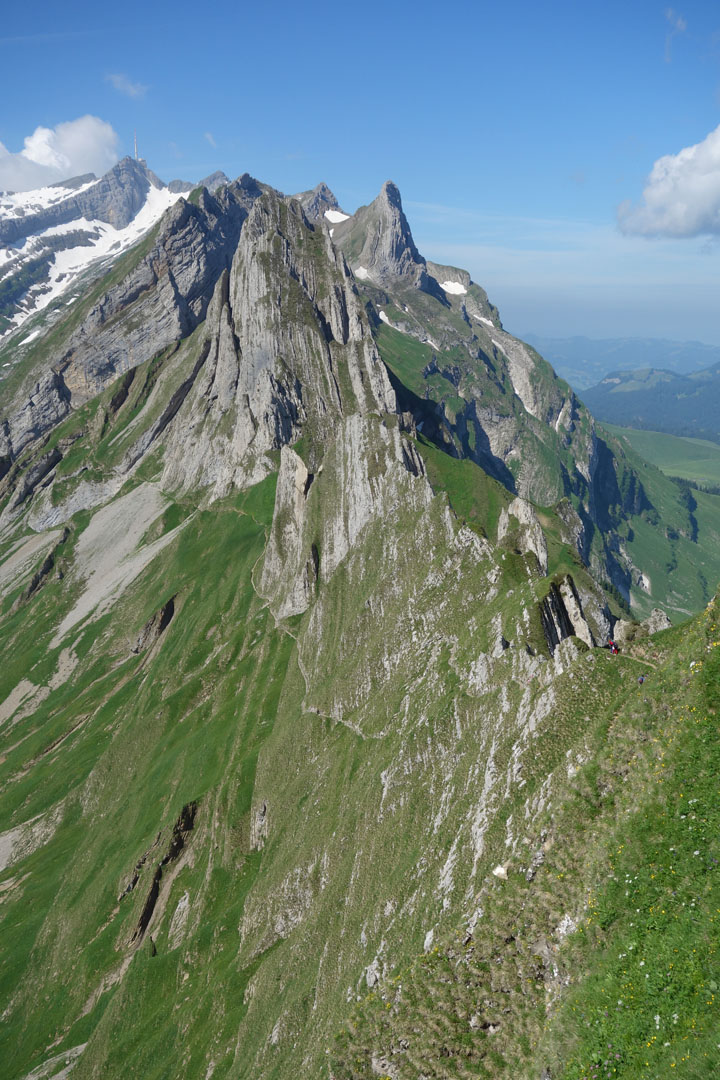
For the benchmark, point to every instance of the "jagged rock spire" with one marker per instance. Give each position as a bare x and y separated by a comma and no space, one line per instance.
379,245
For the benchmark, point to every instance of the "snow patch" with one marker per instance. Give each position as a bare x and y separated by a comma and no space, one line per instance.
384,318
106,241
30,202
336,216
488,322
453,287
362,273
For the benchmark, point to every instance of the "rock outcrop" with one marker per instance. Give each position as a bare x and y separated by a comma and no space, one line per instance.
526,532
266,377
379,246
315,203
562,615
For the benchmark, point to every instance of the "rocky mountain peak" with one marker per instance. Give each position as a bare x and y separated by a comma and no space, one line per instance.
391,192
214,181
75,182
277,610
378,244
317,201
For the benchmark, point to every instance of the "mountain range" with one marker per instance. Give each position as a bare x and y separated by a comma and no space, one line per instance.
584,362
658,400
52,236
313,762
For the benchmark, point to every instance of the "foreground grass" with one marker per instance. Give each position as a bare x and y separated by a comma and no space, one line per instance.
605,963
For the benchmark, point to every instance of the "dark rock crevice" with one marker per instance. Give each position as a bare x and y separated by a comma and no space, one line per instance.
34,476
169,413
554,617
155,627
40,577
181,830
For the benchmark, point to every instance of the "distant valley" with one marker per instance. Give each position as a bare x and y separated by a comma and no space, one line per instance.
584,361
696,460
658,400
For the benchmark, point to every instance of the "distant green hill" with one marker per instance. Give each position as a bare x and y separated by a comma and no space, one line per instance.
697,460
585,361
656,400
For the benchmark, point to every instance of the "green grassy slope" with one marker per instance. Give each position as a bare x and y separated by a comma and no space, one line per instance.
658,544
356,774
120,754
675,541
243,845
311,720
690,459
598,956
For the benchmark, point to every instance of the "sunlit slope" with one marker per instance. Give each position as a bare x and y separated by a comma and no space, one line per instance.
597,949
290,817
690,459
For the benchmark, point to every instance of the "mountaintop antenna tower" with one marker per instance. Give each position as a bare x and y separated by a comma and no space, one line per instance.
136,153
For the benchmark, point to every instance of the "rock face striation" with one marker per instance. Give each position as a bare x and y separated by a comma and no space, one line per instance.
266,378
317,202
379,246
497,402
76,229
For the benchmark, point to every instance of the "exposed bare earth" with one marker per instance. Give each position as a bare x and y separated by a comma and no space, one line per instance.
107,554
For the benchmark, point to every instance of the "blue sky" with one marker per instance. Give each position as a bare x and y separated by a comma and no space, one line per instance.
514,132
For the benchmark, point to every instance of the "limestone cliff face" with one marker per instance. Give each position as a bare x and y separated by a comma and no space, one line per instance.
267,739
368,470
161,298
482,394
287,349
379,246
525,531
165,297
262,328
316,202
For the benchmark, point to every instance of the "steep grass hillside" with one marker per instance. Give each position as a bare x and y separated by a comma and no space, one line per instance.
597,950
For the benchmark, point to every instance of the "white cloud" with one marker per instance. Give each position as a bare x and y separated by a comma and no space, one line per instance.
126,86
678,25
682,194
87,144
211,139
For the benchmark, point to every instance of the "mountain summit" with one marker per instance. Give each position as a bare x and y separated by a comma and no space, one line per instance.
379,246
